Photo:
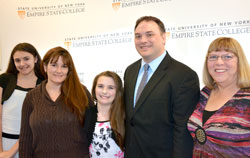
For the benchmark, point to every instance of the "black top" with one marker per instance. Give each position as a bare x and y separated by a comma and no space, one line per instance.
207,115
8,82
90,121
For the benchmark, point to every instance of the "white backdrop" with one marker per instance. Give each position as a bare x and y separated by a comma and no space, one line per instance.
99,33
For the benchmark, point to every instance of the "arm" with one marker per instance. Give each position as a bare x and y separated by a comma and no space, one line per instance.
25,139
14,149
1,106
185,100
10,153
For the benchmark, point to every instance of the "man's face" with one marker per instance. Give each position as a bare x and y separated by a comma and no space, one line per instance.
149,40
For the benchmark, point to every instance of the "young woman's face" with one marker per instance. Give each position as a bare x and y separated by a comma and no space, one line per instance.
24,62
105,91
57,72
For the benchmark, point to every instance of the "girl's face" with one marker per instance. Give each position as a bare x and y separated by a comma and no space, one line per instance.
105,91
57,72
24,62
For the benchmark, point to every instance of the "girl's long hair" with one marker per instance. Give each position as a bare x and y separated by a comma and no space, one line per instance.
117,114
26,47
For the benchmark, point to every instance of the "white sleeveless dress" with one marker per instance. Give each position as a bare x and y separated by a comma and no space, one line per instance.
11,116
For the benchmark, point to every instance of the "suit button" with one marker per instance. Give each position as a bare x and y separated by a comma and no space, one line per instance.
132,122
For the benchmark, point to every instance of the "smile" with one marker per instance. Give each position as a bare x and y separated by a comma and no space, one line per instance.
23,67
104,97
145,47
220,70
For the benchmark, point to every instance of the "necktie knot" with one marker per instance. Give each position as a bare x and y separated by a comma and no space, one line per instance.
146,67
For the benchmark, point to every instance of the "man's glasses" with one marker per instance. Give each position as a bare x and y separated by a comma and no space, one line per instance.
225,57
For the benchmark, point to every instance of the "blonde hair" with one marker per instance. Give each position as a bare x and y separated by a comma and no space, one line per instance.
229,45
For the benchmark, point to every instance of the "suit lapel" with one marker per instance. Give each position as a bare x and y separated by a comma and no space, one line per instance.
160,72
133,78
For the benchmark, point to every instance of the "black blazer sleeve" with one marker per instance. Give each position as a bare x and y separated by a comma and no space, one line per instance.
184,102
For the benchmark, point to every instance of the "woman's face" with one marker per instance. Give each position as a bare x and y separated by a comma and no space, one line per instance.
223,67
56,71
105,91
24,62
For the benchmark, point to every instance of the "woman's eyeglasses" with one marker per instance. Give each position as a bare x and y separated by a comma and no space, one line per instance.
225,57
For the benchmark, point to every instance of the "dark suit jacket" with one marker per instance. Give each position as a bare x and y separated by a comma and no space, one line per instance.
157,126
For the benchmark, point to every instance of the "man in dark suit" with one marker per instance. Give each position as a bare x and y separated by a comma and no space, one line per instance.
156,123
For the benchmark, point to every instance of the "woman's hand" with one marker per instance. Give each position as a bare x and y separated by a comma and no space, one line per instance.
6,154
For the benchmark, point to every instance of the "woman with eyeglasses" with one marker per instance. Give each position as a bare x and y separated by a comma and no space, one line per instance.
220,124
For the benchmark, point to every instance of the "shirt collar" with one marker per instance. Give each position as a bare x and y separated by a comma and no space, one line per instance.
153,64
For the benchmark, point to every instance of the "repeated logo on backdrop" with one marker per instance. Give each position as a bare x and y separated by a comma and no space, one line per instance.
50,10
117,4
99,39
102,39
172,32
228,28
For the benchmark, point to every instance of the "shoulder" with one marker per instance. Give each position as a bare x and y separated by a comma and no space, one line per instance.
85,88
243,93
90,115
39,80
90,100
246,90
133,65
89,122
180,72
36,92
8,83
205,93
206,90
91,110
7,77
132,69
175,64
34,97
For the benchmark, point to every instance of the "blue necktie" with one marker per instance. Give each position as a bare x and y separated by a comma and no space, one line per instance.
143,82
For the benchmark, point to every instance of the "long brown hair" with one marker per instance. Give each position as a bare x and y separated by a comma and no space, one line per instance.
117,114
26,47
74,94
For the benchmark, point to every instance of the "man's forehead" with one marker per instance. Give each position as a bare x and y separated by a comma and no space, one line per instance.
146,26
143,32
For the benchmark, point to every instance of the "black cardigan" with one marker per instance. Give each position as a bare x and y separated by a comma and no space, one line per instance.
90,121
10,81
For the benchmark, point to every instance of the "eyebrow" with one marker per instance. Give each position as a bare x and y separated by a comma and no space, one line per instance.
22,57
220,54
145,32
107,85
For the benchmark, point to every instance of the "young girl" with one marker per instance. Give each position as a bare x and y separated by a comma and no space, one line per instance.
105,121
53,113
23,74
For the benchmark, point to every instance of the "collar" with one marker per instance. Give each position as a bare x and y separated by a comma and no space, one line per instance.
153,64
